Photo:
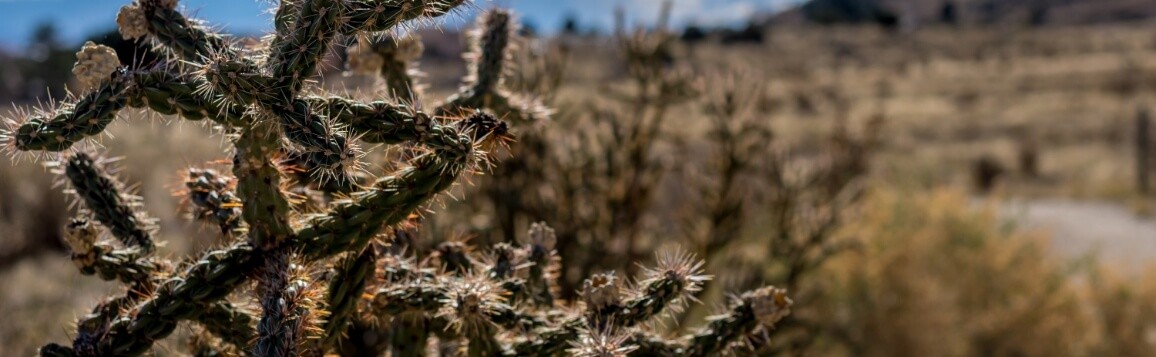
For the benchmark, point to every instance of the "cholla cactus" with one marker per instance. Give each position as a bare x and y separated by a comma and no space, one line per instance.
322,279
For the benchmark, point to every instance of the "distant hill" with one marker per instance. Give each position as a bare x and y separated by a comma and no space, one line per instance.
1051,12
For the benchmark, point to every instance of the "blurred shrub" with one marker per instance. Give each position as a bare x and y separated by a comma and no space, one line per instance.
939,276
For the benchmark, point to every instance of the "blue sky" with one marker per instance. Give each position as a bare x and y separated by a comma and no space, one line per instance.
75,18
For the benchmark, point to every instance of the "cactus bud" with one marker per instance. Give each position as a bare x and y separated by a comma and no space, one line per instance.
541,237
506,262
769,304
94,65
664,288
602,291
453,256
543,272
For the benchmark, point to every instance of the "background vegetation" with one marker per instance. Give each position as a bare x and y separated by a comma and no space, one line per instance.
868,170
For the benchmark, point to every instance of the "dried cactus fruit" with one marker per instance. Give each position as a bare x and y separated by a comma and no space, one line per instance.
95,64
132,22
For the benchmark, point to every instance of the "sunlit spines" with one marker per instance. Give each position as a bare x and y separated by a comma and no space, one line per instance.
491,45
184,37
106,87
297,51
674,280
165,89
490,50
319,138
93,328
761,308
316,137
287,304
59,128
208,279
468,304
351,223
601,343
93,257
239,81
382,15
376,122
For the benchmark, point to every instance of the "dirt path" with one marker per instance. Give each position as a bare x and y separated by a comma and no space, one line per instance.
1078,227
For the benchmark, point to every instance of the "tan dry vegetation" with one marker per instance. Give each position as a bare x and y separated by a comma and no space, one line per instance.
951,96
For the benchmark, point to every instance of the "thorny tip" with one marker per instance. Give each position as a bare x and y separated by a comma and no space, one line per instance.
469,302
607,342
680,265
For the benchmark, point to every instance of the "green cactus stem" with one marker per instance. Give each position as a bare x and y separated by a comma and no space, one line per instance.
102,196
345,289
266,210
72,122
228,323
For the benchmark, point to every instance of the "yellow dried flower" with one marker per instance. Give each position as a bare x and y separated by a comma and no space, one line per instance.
132,22
94,64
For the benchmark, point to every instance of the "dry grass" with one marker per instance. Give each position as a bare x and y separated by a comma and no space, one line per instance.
952,96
